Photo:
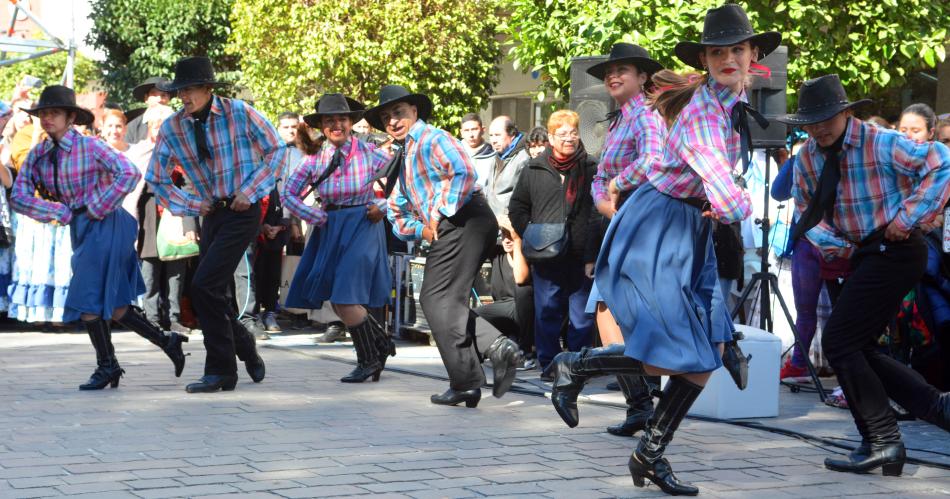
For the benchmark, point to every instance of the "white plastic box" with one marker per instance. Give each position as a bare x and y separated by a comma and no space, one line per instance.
721,399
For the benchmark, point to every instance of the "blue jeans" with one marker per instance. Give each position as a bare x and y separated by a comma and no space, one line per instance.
560,292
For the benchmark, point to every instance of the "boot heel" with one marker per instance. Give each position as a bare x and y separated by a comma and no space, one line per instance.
115,382
229,387
471,403
893,469
638,481
376,376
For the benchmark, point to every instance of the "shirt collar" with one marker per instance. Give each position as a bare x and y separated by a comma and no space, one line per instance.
216,108
415,131
727,98
854,133
331,149
66,143
632,104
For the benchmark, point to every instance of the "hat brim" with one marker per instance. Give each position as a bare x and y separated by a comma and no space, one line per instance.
313,120
174,86
421,101
644,64
131,114
688,52
83,116
823,114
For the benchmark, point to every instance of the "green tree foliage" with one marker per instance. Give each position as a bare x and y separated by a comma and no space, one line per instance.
143,38
49,69
873,44
293,51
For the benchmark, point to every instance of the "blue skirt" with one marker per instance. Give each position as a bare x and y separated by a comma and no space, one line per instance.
344,262
657,273
106,272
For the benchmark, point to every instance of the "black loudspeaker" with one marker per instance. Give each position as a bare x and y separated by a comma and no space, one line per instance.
590,100
767,96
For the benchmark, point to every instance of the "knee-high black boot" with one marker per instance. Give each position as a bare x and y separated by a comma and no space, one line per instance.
382,342
647,461
571,370
368,364
169,343
636,390
107,370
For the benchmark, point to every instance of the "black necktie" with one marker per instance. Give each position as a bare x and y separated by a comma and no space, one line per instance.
335,163
201,141
54,159
613,117
391,171
740,123
822,203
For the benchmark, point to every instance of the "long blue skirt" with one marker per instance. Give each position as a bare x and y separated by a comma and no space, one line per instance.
106,272
657,274
344,262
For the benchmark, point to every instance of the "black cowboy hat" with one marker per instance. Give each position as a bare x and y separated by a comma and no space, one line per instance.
392,94
131,114
142,89
820,99
60,97
724,26
330,104
628,53
191,72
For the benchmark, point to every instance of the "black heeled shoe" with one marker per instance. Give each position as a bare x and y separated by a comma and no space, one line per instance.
505,358
889,457
362,372
103,376
660,473
454,397
572,370
210,383
636,391
174,351
256,369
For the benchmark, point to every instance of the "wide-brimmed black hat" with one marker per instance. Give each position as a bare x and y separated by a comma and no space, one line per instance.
331,104
820,99
724,26
60,97
142,89
191,72
630,54
392,94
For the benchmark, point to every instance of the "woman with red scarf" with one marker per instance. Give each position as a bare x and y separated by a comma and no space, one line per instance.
553,199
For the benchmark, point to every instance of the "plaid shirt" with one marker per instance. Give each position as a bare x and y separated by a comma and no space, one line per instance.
246,157
701,152
90,174
348,185
884,177
632,145
437,180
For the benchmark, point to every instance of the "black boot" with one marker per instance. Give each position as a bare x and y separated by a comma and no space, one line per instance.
505,358
647,462
107,370
384,344
636,390
571,370
170,343
870,407
736,362
940,414
455,397
368,364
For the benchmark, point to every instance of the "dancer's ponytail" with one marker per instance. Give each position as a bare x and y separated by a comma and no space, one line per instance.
672,91
305,141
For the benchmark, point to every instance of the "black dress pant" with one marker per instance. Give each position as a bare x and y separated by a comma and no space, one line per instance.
883,273
225,237
465,240
267,274
514,317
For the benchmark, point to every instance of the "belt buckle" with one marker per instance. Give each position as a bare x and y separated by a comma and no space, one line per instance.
219,204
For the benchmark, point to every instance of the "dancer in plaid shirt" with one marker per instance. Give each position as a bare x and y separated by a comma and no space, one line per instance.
81,182
232,156
345,260
863,193
657,269
434,197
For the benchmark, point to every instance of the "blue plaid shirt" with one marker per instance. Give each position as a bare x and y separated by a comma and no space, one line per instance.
246,157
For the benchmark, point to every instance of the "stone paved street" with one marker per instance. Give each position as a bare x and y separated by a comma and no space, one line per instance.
301,433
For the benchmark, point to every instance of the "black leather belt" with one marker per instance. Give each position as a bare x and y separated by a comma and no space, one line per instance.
80,210
334,207
220,204
698,203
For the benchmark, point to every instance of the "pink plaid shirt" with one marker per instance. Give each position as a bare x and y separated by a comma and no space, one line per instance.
632,146
701,152
884,177
90,174
348,185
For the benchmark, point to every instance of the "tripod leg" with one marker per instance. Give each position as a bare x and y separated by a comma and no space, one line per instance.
746,291
788,316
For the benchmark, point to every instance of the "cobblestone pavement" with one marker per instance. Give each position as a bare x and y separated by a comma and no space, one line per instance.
301,433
